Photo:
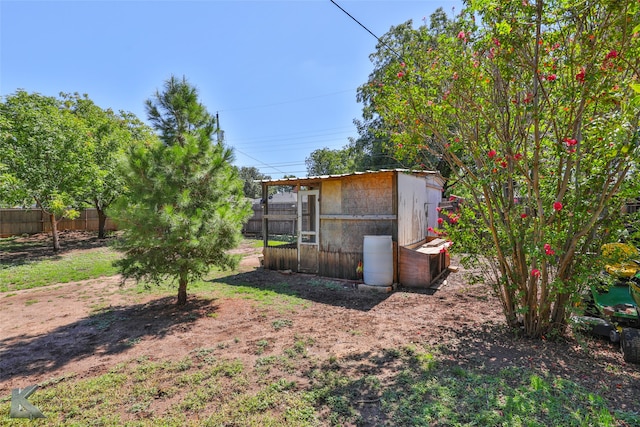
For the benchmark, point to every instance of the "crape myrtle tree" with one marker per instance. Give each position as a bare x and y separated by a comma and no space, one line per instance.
375,131
534,106
44,156
110,134
185,207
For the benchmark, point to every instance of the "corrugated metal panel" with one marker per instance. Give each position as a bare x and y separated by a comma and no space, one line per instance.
413,204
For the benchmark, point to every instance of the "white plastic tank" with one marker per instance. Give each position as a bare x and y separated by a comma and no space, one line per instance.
378,261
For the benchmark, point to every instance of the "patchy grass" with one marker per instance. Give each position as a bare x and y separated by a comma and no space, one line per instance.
278,296
420,390
281,323
70,267
259,243
401,386
10,244
200,389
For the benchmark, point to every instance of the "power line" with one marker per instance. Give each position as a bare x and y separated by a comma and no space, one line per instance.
368,30
286,102
259,161
287,137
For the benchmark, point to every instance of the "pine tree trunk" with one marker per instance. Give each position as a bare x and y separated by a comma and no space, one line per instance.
54,232
182,289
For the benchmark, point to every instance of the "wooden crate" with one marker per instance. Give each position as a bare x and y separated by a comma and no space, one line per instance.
422,263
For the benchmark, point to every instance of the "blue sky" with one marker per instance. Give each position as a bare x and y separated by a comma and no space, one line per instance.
282,75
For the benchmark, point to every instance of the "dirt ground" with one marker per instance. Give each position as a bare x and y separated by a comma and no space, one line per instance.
49,332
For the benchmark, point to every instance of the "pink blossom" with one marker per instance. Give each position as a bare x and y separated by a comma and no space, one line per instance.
431,230
557,206
523,215
551,77
461,35
440,221
401,74
570,142
438,209
492,154
535,272
548,250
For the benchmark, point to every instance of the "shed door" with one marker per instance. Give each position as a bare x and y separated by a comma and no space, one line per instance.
308,230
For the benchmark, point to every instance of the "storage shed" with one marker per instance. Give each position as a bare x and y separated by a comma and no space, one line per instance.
336,212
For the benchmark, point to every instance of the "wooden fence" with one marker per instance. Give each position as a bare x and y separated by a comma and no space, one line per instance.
276,227
14,222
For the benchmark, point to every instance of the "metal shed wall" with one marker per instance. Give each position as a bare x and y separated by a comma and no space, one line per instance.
412,209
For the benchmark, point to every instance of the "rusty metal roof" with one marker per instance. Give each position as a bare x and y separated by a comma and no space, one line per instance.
301,180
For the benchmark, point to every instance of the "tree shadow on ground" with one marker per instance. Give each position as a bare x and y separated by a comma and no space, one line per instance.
488,377
110,331
324,290
38,247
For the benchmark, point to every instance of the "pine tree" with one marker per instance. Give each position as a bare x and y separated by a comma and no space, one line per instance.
185,207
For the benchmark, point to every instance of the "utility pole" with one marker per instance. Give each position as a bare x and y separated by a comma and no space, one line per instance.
219,132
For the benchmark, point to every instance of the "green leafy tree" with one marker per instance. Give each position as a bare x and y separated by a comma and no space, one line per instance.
325,161
110,134
375,143
249,176
534,107
186,207
371,148
282,188
44,149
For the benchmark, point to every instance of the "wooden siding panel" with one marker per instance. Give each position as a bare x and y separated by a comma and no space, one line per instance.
308,259
331,198
330,235
368,194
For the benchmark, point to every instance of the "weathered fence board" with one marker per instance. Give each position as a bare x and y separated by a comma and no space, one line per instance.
276,226
281,258
14,222
339,264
